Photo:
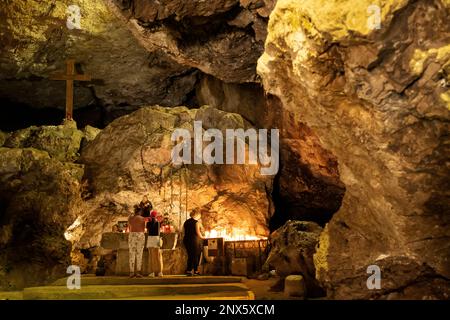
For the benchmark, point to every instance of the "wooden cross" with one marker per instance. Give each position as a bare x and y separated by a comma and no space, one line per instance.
70,77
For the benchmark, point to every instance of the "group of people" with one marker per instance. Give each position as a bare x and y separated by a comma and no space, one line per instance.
145,219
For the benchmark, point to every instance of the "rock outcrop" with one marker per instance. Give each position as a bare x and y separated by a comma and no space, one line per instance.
377,99
36,39
223,38
292,249
40,197
60,142
131,157
308,185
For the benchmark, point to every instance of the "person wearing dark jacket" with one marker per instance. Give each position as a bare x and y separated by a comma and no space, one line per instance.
192,240
146,206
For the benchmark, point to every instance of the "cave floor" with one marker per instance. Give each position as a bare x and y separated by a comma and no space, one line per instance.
124,288
163,288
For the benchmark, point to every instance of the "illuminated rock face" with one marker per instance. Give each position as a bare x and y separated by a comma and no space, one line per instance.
308,186
131,158
36,40
39,199
293,246
223,38
377,100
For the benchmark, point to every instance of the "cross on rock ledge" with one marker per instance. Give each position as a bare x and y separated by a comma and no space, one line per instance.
70,76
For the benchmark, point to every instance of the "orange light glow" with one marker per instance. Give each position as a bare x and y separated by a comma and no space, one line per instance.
235,235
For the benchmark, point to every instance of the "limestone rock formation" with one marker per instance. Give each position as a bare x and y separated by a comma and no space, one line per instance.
37,38
308,186
377,99
90,133
294,286
3,137
61,142
131,157
223,38
292,248
39,197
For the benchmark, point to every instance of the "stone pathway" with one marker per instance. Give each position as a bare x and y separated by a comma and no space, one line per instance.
118,288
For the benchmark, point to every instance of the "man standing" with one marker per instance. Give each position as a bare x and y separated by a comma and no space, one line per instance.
192,241
136,242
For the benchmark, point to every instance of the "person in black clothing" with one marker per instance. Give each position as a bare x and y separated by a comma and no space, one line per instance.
192,240
146,207
154,245
153,225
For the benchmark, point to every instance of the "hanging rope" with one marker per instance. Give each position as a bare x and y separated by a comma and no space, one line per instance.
181,202
150,179
171,190
186,194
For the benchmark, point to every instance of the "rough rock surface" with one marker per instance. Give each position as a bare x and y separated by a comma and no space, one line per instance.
3,137
294,286
131,158
39,197
308,186
61,142
36,41
378,100
292,249
223,38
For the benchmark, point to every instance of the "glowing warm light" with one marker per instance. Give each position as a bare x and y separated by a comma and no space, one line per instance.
235,235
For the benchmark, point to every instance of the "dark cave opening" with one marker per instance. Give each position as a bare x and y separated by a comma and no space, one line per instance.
304,210
16,116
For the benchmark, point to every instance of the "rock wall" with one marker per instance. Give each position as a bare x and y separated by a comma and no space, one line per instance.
36,41
292,249
132,157
308,185
40,196
223,38
378,100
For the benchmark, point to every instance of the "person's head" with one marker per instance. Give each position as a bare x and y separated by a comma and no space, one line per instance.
154,214
137,211
195,214
145,198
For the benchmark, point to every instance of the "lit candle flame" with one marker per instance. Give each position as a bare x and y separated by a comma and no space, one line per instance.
235,235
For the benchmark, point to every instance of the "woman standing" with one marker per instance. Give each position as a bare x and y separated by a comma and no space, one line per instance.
146,207
193,242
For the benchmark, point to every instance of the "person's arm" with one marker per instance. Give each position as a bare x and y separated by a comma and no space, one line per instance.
197,229
128,228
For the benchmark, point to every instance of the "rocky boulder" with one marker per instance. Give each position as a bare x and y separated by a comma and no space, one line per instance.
223,38
3,137
308,186
131,158
377,98
39,199
291,253
62,142
37,39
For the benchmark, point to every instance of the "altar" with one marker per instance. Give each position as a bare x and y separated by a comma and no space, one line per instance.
118,242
